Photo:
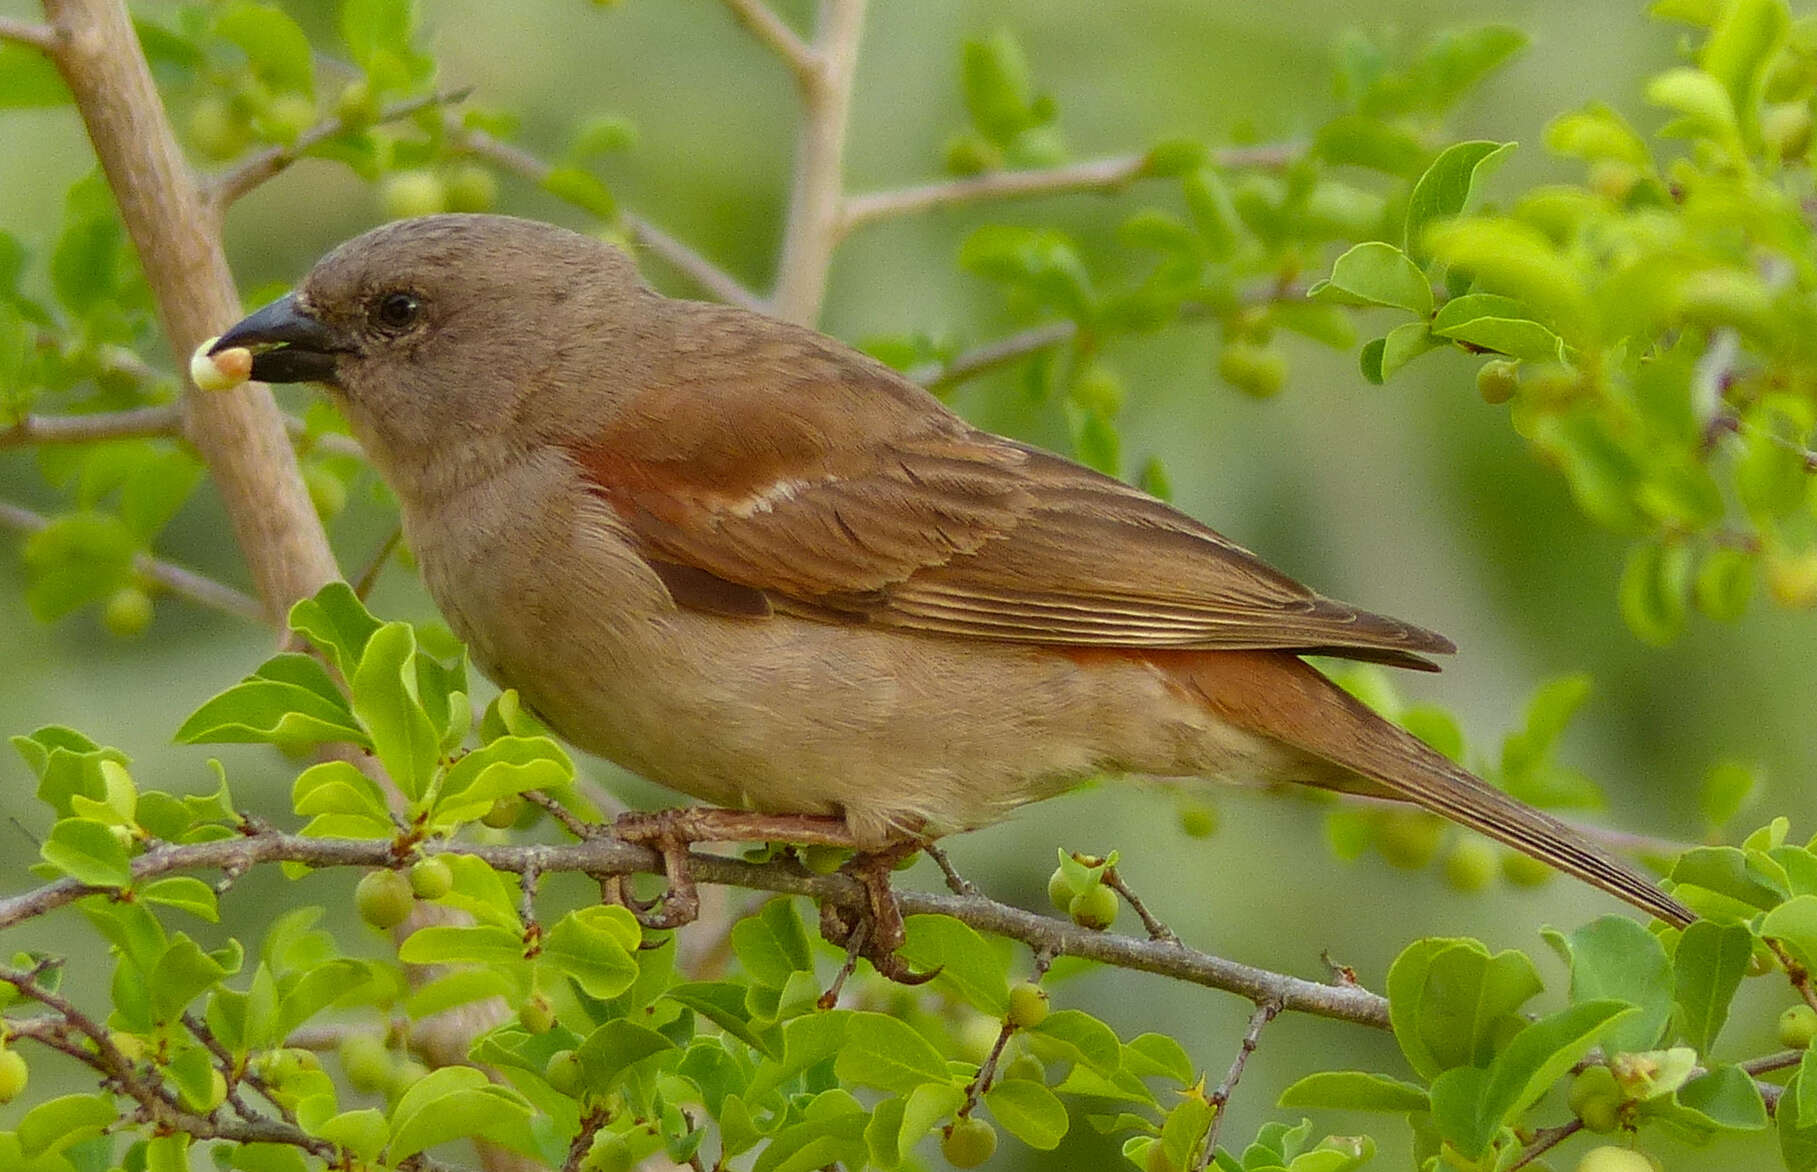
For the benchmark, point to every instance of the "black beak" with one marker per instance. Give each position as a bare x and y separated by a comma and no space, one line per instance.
287,344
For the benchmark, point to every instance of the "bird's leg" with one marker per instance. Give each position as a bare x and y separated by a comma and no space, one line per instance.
671,832
882,915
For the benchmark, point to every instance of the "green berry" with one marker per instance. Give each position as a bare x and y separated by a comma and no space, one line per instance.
1060,890
327,492
822,860
128,613
215,131
431,878
1408,838
971,154
405,1075
414,193
366,1062
1797,1026
1095,908
471,188
968,1142
288,116
213,1097
537,1015
1497,380
1613,1159
1254,370
1098,390
1525,870
504,812
357,105
1596,1098
609,1153
1470,864
563,1071
130,1046
1028,1068
13,1075
1198,820
1027,1005
383,898
1792,579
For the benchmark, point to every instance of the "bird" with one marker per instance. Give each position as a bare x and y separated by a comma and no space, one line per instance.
756,566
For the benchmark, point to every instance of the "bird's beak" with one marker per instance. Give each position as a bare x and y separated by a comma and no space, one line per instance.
288,345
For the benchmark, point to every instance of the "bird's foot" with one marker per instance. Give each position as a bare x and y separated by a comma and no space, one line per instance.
876,932
671,832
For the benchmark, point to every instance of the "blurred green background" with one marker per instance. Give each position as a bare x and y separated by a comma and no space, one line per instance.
1416,499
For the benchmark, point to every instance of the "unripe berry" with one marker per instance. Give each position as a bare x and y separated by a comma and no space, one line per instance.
970,154
383,898
13,1075
1028,1068
215,131
1497,380
1797,1026
405,1075
537,1015
327,492
1095,908
1027,1005
471,188
1596,1099
366,1062
431,878
128,613
563,1071
1408,838
1614,1159
504,812
1198,820
1470,864
609,1153
1060,890
414,193
1525,870
1254,370
357,105
288,117
968,1142
822,860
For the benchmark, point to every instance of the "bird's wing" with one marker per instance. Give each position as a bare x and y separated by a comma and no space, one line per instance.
785,473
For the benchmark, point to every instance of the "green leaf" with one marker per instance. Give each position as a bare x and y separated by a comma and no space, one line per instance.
385,700
275,46
1723,1099
610,1051
183,973
1596,133
922,1109
372,27
337,623
1028,1111
1614,958
508,765
1794,924
53,1126
589,946
1516,260
77,559
362,1132
1085,1037
723,1004
1707,968
1375,273
883,1052
1448,1000
1470,1104
1213,214
1403,344
969,966
1797,1137
771,945
1742,46
806,1041
449,1103
582,189
486,944
1449,185
265,711
1354,1090
88,852
1501,324
1655,591
1042,261
185,892
1724,872
1157,1055
1707,106
998,93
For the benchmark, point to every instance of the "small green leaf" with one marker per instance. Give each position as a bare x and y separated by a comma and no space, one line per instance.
588,945
998,93
1655,591
185,892
1028,1111
1727,787
883,1052
1740,51
582,189
610,1051
266,711
275,46
362,1132
88,852
1449,999
337,623
1084,1036
1376,273
385,700
508,765
1449,185
1516,260
1403,344
1354,1090
1794,924
52,1126
1724,1098
486,944
969,966
771,945
1614,958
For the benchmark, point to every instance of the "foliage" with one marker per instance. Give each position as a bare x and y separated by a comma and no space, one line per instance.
1648,328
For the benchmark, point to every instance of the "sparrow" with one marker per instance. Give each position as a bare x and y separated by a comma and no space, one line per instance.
754,565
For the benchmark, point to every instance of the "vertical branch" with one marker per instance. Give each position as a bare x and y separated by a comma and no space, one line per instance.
240,435
816,205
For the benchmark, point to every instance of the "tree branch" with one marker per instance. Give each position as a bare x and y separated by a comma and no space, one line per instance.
679,256
267,164
761,22
41,37
138,423
240,434
183,583
816,204
1265,1012
609,856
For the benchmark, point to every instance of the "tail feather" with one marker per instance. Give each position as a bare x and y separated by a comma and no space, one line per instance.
1277,694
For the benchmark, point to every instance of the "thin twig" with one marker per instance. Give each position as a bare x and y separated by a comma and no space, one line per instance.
955,882
817,197
369,577
608,856
778,37
42,37
1265,1012
268,164
1104,175
197,588
1157,931
137,423
690,264
1545,1140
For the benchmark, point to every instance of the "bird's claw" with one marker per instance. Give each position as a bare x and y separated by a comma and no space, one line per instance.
876,932
667,833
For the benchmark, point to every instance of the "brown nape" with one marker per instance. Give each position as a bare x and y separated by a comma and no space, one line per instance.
1276,694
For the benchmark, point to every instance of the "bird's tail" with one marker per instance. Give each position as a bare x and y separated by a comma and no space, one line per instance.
1277,694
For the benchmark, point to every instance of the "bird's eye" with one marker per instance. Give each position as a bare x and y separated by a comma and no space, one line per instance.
396,311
